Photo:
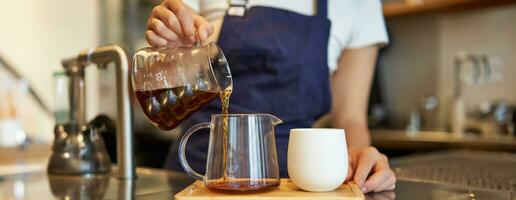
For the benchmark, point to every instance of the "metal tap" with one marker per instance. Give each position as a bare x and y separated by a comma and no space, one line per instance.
460,59
458,118
102,56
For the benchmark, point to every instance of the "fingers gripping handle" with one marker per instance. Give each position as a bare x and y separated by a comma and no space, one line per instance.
182,148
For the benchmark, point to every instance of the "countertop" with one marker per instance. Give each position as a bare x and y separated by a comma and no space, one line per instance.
159,184
34,183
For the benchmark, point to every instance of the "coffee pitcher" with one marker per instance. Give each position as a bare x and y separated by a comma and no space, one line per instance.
172,84
241,152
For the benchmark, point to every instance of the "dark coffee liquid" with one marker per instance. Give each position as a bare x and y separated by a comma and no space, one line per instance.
168,107
243,185
224,99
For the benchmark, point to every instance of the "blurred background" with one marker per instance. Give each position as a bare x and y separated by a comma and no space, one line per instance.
446,81
442,104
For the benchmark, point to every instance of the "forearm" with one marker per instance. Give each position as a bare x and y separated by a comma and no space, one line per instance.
350,92
357,135
355,125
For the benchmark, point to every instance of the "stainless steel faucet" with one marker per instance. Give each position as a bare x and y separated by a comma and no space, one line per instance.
102,56
460,59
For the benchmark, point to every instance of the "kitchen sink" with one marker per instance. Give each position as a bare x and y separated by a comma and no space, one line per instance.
471,169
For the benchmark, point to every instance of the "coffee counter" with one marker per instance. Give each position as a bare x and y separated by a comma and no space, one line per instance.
22,176
150,184
159,184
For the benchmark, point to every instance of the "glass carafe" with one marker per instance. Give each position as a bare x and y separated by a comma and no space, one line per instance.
172,84
241,152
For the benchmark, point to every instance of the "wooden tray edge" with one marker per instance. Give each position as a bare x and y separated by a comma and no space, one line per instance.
182,195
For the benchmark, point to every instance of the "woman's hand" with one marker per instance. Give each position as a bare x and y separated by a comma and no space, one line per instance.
173,24
370,170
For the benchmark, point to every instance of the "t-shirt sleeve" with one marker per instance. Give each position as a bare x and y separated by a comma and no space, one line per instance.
194,5
369,25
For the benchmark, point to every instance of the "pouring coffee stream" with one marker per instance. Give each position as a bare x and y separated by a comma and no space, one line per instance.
224,98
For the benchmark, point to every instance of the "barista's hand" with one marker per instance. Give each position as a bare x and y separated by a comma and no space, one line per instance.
370,170
173,24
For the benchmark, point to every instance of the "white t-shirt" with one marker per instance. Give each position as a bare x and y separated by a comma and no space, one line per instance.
354,23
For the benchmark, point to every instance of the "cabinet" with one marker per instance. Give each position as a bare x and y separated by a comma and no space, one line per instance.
411,7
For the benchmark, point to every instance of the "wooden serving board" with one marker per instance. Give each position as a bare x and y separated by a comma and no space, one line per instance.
286,190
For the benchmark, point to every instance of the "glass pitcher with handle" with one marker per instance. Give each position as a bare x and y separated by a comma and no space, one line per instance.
172,84
241,152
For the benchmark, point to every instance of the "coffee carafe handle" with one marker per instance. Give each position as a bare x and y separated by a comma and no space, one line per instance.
182,147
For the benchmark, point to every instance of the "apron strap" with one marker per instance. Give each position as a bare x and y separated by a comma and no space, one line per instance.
322,8
237,7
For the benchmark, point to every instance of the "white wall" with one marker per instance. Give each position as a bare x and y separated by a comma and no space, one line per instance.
408,65
35,35
491,31
420,59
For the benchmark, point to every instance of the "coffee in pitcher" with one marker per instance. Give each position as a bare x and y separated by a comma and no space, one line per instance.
168,107
242,185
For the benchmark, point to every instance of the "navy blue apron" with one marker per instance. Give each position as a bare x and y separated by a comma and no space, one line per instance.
278,61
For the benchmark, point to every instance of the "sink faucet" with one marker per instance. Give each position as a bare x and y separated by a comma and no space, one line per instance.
102,56
458,118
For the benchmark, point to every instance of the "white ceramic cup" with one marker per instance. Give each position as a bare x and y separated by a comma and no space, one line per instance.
317,158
